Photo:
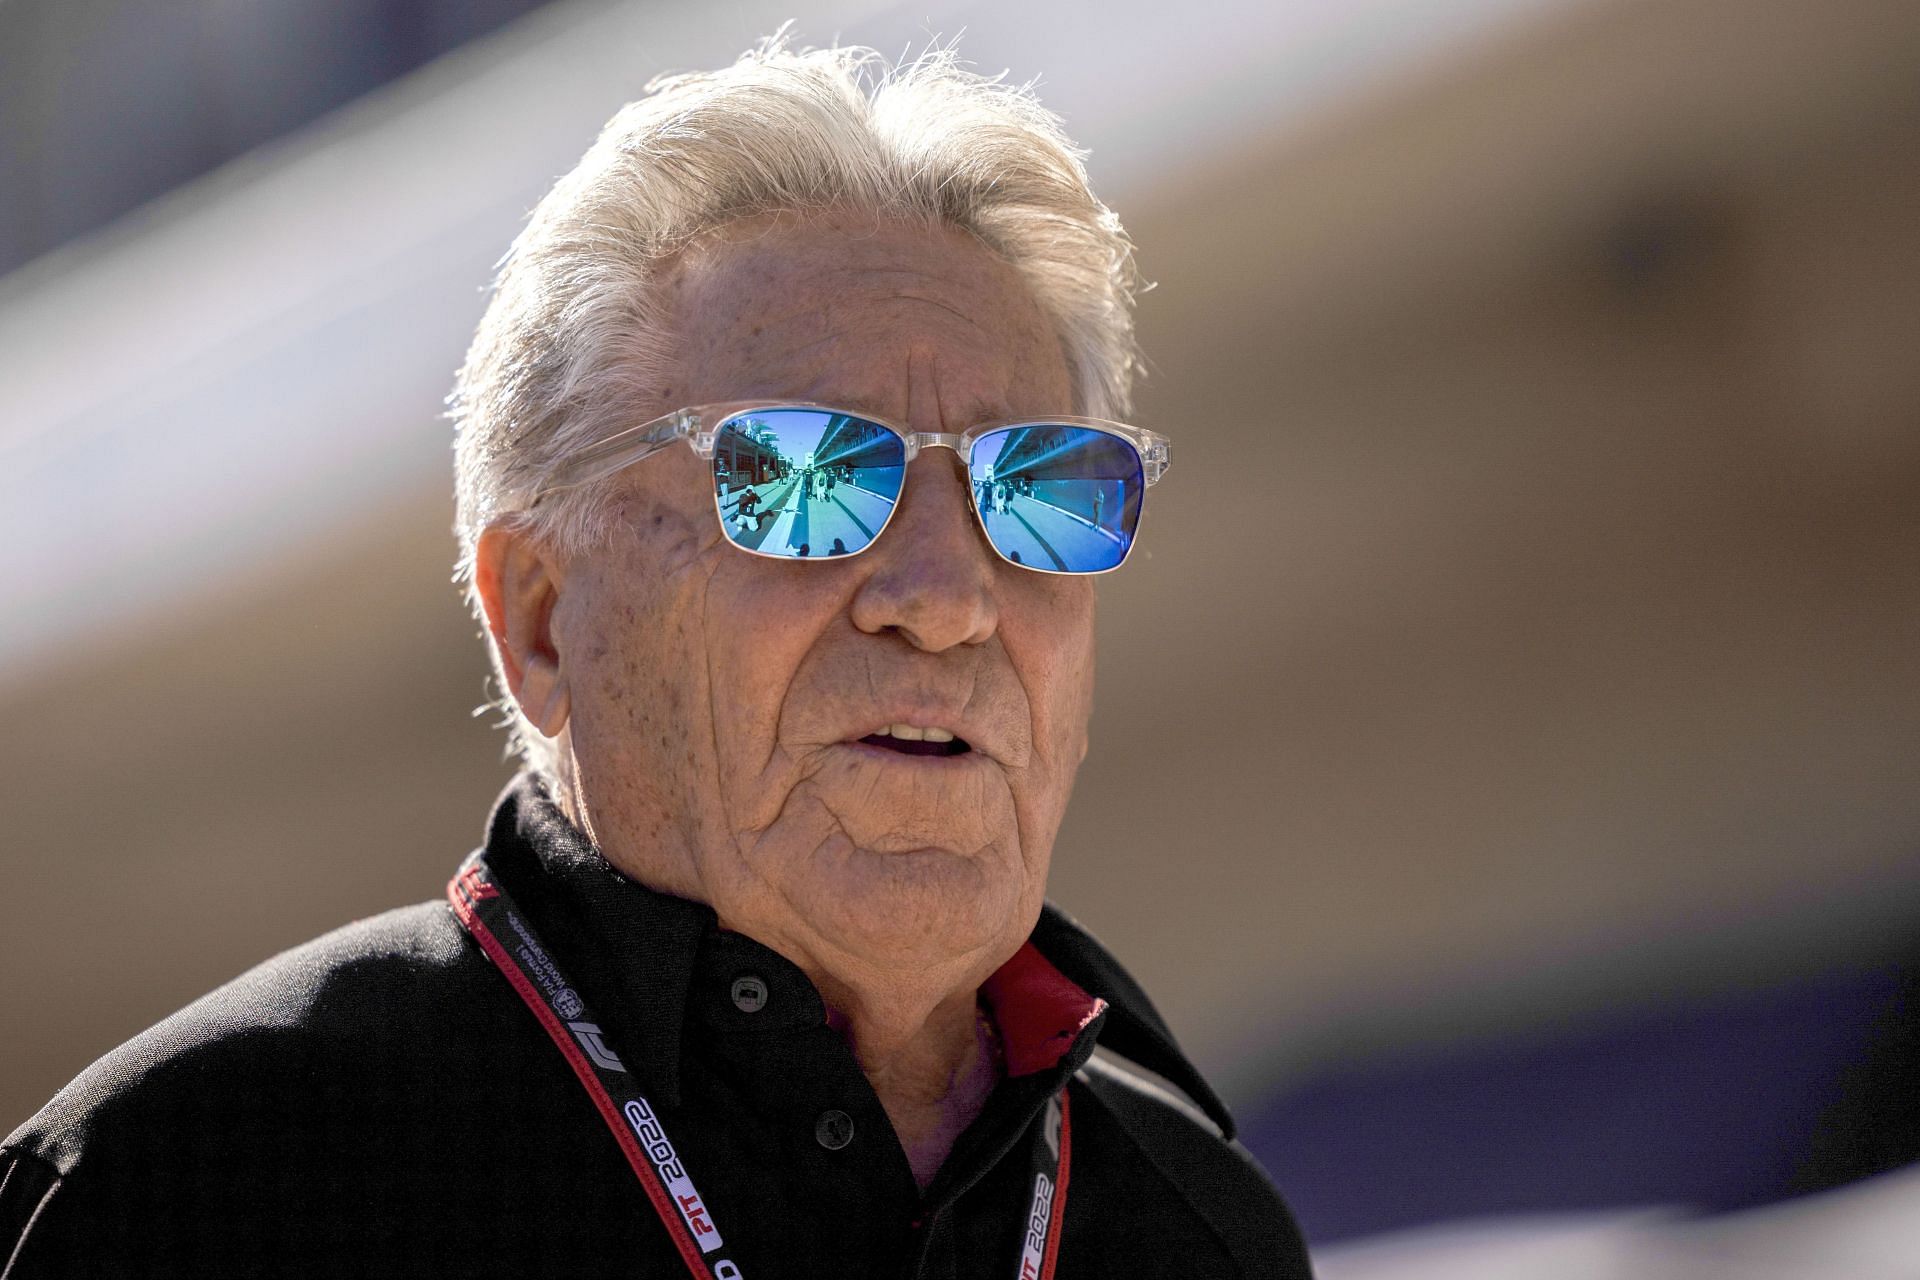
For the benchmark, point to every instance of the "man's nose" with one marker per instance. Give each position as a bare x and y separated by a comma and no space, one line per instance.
932,573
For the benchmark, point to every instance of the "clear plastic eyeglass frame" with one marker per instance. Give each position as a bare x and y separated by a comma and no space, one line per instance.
700,427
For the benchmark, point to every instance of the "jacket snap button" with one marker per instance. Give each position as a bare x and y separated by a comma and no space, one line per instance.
833,1130
749,994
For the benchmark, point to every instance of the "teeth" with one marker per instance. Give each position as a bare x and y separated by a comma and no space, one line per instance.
913,733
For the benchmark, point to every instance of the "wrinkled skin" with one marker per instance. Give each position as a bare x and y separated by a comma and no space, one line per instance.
717,698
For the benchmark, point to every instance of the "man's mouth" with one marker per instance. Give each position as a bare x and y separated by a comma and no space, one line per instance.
916,740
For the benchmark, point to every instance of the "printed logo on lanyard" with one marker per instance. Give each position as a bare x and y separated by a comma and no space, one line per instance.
488,914
1042,1243
667,1164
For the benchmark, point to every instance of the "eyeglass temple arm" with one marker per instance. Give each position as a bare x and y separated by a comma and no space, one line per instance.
620,450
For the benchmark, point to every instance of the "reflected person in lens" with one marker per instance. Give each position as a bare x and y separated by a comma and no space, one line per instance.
790,449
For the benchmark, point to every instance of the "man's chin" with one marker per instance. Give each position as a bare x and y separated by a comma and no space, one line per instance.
910,905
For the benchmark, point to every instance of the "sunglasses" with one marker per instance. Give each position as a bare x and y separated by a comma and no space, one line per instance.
797,481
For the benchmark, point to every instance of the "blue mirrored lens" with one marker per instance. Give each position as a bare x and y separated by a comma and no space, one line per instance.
805,482
1058,497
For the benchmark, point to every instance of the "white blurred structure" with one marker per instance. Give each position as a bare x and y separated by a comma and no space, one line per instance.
257,361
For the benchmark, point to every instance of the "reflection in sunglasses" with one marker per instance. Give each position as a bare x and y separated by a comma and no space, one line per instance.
1049,496
1059,497
789,479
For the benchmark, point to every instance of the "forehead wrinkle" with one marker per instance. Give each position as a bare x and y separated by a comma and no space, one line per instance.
903,292
864,286
836,324
819,325
826,391
792,371
946,307
842,319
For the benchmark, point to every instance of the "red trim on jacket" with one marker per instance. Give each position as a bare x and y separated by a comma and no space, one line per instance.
1038,1010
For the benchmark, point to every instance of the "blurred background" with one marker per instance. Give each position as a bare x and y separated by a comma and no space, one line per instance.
1504,770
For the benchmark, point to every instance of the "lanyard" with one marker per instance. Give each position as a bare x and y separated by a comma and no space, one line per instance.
487,913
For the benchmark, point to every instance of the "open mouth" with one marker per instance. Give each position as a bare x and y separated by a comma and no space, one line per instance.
913,740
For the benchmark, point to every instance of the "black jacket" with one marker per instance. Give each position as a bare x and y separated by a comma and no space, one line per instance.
380,1103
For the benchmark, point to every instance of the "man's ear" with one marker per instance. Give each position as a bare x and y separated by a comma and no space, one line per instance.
519,584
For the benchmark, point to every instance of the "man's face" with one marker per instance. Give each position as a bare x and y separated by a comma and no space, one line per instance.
719,698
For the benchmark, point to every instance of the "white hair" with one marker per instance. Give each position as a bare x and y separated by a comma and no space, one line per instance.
574,343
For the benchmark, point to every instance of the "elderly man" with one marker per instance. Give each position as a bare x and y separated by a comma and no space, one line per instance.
754,975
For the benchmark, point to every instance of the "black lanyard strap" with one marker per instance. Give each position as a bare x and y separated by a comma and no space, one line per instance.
490,916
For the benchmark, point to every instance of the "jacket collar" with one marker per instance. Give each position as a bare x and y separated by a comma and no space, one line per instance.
637,952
